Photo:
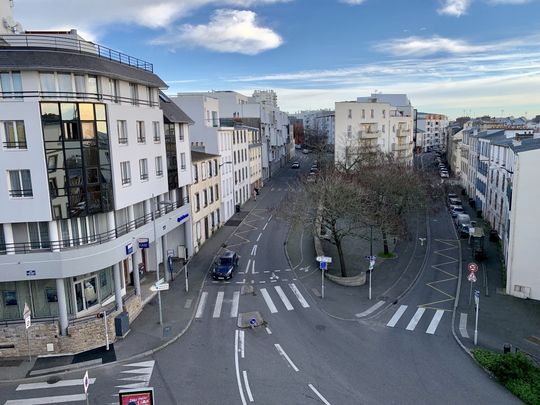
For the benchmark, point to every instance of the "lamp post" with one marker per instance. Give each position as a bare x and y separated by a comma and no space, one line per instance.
155,206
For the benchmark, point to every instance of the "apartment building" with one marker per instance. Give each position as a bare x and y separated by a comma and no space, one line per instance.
205,196
241,166
208,135
255,159
83,155
431,131
318,126
381,121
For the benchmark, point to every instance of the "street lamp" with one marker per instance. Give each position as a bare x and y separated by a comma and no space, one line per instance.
155,205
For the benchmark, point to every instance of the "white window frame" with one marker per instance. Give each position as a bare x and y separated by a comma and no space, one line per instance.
19,141
159,166
182,161
157,131
122,132
20,192
143,169
141,131
125,173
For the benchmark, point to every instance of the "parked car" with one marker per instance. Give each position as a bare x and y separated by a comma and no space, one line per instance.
455,210
305,151
454,201
452,195
444,174
225,266
463,224
295,165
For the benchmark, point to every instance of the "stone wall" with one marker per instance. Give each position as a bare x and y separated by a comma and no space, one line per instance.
83,334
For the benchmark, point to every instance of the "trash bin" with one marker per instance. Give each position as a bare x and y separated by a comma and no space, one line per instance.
237,207
121,324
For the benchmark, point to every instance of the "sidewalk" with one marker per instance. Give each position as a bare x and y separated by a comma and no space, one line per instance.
502,319
145,336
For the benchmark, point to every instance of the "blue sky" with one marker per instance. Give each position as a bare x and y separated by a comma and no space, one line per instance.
450,56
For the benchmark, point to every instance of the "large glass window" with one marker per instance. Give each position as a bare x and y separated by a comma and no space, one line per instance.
86,293
157,130
143,169
10,85
125,173
141,133
20,183
159,166
38,233
65,84
134,93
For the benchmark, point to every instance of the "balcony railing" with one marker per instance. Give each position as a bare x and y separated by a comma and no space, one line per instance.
369,134
96,239
403,132
59,42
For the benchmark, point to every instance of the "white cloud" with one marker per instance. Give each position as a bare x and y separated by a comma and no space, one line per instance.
93,16
227,31
426,46
353,2
454,8
512,2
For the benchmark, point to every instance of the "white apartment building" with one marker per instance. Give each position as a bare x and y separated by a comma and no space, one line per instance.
320,124
207,135
382,121
255,159
431,131
83,158
241,166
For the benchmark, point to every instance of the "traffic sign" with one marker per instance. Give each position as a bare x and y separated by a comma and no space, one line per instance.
471,277
27,322
86,382
253,322
476,297
371,258
323,265
26,311
473,267
159,287
325,259
371,264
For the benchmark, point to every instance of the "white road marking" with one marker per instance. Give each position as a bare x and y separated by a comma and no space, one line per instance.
269,218
370,310
268,330
187,305
254,250
235,301
463,325
401,310
323,399
416,318
217,306
202,304
253,268
268,301
47,400
284,298
300,297
247,267
61,383
435,322
241,342
282,353
238,380
265,225
246,383
259,237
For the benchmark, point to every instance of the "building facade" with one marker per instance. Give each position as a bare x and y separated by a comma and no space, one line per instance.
431,131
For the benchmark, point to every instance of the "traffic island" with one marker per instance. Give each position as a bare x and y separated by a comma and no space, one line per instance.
250,320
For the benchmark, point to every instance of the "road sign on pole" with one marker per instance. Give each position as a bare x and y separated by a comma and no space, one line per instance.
326,259
159,287
471,277
473,267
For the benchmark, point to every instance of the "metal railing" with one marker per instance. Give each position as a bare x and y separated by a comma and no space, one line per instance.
96,239
58,42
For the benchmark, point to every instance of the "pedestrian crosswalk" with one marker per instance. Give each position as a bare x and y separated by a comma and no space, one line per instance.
74,392
413,320
275,297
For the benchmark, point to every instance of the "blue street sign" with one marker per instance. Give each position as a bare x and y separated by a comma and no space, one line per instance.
371,258
253,322
144,243
322,265
129,248
476,293
182,217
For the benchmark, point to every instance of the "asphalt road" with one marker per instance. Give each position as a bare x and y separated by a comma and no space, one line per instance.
300,355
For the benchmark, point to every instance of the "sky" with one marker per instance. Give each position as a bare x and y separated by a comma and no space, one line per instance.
454,57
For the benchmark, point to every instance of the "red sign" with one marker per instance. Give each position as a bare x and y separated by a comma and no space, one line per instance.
473,267
137,397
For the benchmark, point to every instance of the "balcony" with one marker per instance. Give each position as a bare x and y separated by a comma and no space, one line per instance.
402,146
369,134
403,132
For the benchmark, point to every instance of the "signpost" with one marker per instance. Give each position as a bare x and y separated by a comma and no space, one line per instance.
27,315
372,260
473,267
159,287
323,265
477,302
472,278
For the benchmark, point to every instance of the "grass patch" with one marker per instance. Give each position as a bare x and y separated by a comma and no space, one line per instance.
515,371
388,255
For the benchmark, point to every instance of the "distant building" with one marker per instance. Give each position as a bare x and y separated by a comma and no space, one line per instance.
431,131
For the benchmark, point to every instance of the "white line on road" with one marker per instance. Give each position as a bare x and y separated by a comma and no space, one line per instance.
217,306
323,399
463,325
47,400
241,342
268,301
435,322
401,310
269,218
253,268
265,225
247,267
416,318
259,237
61,383
238,380
370,310
299,296
282,353
235,301
254,250
202,304
246,383
268,330
284,298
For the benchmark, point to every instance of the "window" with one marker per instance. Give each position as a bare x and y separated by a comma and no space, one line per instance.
197,202
182,161
38,233
80,85
217,192
181,132
205,194
143,168
47,82
122,132
20,183
150,93
141,135
125,172
372,114
14,135
363,113
195,173
349,131
159,166
215,121
65,85
350,114
10,85
92,86
134,93
157,135
114,90
383,128
384,114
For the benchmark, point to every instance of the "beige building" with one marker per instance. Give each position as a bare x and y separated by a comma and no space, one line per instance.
255,159
205,196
